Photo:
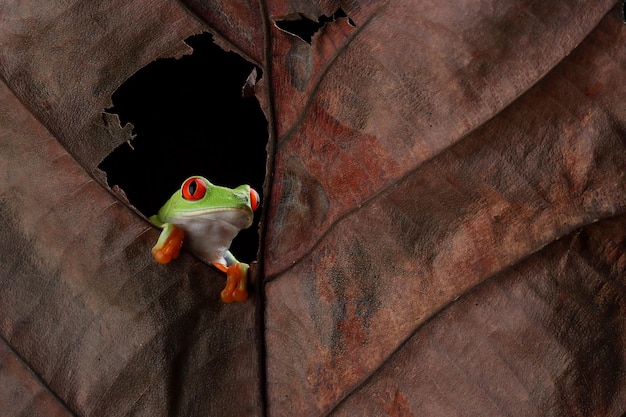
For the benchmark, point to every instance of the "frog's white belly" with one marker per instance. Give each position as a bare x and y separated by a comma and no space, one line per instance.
210,235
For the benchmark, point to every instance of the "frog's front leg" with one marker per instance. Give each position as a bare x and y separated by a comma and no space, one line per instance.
236,288
169,243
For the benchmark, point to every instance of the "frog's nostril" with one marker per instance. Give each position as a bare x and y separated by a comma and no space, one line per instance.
254,199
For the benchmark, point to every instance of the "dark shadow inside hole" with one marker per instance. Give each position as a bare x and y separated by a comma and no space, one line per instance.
190,118
305,28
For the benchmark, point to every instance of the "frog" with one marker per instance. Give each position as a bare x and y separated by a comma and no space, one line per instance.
207,218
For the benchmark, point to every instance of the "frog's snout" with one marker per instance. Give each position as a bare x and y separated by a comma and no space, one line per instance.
255,200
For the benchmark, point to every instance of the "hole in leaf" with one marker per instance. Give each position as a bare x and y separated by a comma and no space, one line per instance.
304,28
190,117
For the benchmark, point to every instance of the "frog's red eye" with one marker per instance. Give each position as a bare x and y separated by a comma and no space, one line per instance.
254,199
193,189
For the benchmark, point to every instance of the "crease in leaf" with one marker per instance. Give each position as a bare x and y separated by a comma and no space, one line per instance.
304,28
484,119
584,283
29,389
190,116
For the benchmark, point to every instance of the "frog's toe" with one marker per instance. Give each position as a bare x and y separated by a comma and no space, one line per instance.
165,251
161,255
236,283
240,293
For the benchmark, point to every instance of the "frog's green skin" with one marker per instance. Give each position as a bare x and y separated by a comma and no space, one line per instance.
209,217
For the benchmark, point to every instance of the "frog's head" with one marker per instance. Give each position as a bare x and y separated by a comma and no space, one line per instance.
199,200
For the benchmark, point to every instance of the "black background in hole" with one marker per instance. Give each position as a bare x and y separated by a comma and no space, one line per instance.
190,118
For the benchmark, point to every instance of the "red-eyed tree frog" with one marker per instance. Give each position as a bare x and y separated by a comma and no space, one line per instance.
208,217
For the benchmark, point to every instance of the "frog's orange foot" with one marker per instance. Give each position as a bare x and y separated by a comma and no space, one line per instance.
165,251
236,283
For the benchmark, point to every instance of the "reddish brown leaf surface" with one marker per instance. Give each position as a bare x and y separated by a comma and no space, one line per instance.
445,232
400,189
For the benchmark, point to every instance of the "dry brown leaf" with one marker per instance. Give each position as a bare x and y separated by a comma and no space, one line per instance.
444,234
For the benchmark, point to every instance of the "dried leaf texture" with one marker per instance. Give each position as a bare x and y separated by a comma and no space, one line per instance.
21,393
547,165
103,326
236,24
444,234
89,323
65,59
364,106
545,337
